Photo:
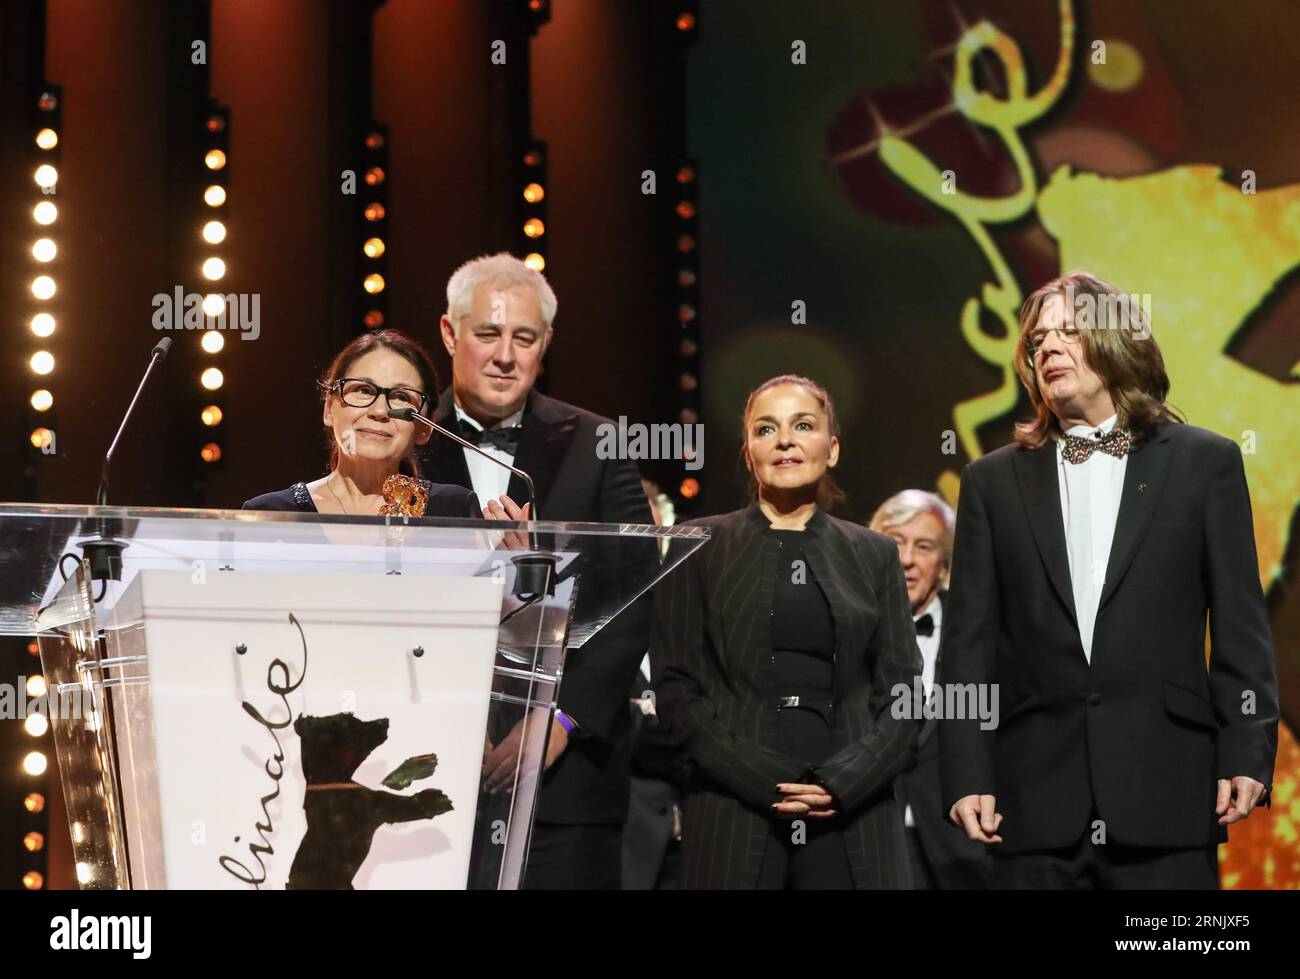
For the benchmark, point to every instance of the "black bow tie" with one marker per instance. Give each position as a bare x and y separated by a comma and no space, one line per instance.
505,439
925,625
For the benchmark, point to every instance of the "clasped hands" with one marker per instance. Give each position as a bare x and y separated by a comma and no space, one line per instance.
800,799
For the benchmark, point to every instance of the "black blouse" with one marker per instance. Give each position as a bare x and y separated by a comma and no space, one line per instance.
445,500
801,616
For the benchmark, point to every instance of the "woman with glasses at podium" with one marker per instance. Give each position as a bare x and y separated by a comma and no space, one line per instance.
372,465
776,653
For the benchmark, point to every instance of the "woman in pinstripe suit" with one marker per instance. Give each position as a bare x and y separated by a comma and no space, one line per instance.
775,652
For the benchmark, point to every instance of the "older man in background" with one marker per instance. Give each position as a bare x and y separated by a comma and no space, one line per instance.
921,524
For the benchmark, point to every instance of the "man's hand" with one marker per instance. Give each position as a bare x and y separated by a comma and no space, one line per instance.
505,508
804,800
1237,798
978,816
499,762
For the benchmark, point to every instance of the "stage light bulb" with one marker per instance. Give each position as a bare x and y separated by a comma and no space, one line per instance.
374,247
41,437
210,452
42,362
534,193
45,212
46,175
34,763
211,378
214,159
44,250
47,139
35,802
42,400
690,488
43,287
36,725
374,212
214,232
534,228
374,283
212,341
214,268
375,176
33,881
215,195
42,324
535,261
373,319
213,305
211,415
36,686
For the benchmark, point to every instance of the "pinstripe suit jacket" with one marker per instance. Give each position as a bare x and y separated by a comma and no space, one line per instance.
710,648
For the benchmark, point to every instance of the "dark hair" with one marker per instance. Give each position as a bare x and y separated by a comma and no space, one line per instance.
829,494
398,343
1119,346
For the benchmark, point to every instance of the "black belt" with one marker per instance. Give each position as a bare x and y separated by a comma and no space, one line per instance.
819,703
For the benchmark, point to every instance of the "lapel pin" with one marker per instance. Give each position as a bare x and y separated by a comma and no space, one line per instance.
1142,487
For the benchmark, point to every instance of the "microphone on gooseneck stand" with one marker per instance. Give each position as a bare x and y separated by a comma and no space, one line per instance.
104,553
535,572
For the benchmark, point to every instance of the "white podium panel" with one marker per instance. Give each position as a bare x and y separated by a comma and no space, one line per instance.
308,731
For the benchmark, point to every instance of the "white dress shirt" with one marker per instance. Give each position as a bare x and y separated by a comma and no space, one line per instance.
489,481
1090,496
929,657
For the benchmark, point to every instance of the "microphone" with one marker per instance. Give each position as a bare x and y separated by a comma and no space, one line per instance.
534,572
104,553
155,358
410,414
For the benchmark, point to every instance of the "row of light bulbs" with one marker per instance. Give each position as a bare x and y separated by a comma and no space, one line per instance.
34,765
213,268
44,250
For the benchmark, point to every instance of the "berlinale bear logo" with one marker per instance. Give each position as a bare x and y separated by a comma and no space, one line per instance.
342,815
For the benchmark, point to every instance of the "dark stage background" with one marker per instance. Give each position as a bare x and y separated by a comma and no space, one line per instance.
825,243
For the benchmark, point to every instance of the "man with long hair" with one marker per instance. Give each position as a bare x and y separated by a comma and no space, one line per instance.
1088,557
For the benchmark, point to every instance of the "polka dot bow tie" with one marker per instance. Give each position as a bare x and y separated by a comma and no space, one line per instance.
1117,442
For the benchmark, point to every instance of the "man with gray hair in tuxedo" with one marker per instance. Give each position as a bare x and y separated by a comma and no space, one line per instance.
921,524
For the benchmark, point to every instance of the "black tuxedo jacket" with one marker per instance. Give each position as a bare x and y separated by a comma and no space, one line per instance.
958,862
557,447
1143,732
711,643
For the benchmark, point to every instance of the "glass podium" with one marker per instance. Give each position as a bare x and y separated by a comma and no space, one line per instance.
250,699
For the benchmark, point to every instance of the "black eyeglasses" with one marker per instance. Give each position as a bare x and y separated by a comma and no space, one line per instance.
359,393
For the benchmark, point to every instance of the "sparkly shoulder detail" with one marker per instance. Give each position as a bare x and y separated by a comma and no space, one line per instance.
302,497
